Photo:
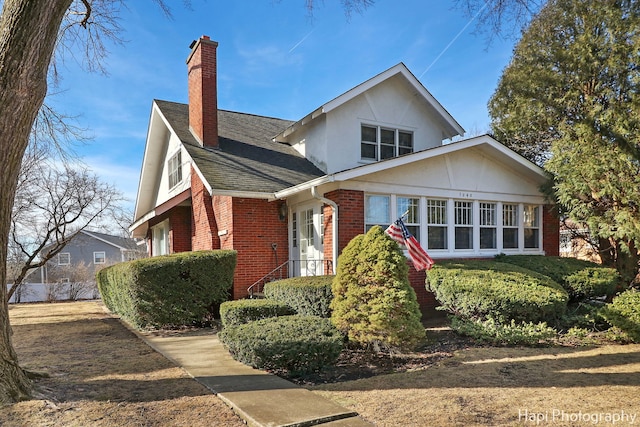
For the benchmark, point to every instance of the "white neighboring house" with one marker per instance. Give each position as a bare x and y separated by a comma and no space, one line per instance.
288,196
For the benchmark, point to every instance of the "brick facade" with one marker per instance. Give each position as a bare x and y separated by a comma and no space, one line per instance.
204,228
550,231
261,239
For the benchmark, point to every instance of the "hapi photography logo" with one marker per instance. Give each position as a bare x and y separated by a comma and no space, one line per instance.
556,416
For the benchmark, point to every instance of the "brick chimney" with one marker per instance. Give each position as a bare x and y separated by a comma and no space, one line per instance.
203,94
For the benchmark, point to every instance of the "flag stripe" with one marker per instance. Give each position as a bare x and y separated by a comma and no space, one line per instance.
399,232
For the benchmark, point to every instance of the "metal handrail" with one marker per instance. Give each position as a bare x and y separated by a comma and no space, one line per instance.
281,273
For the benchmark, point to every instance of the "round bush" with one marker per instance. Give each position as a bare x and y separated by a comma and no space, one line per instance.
308,296
373,303
624,313
581,279
504,292
247,310
298,344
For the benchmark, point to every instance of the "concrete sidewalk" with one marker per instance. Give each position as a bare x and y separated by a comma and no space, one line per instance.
259,398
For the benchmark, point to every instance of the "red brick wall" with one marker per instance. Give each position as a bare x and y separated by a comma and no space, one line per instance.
328,234
180,229
256,227
204,229
550,231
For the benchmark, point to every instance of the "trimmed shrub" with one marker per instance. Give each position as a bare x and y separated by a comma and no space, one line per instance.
487,289
299,344
373,302
308,296
247,310
624,313
168,291
581,279
511,333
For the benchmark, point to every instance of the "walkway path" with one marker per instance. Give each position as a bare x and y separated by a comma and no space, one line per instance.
260,398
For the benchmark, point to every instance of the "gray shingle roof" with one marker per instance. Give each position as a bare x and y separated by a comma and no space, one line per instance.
247,159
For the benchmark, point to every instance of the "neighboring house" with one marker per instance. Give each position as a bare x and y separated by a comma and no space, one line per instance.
88,251
290,195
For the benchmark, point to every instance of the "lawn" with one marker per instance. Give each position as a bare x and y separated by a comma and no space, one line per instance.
100,374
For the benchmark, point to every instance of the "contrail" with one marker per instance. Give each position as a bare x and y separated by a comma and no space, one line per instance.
300,42
454,39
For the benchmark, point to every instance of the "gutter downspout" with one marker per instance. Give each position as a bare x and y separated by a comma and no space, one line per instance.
334,224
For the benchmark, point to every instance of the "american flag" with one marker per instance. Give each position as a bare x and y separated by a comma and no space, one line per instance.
399,232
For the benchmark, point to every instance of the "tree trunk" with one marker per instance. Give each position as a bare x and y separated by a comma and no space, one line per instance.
28,34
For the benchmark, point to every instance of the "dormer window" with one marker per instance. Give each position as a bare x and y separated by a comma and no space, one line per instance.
175,169
379,143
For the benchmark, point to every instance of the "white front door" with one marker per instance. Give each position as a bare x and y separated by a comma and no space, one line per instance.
307,241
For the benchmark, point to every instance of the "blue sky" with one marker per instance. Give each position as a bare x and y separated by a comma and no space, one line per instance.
274,60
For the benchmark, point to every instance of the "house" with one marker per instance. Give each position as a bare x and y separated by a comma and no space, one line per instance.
70,274
290,195
86,253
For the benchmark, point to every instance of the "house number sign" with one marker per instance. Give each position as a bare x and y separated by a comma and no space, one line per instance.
466,195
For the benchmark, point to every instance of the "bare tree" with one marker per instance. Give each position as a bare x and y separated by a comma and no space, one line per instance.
503,18
52,205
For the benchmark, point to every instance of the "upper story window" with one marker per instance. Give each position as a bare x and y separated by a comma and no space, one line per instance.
175,169
379,143
64,258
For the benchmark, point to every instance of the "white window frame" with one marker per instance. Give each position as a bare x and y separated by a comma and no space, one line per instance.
160,239
104,257
62,255
501,215
531,220
378,144
174,169
412,220
488,212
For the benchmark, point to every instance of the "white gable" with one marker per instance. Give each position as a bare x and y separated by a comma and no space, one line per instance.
331,136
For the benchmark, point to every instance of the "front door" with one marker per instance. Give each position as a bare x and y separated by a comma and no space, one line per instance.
307,241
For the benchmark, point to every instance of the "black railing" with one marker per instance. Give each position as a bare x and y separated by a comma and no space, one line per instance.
291,268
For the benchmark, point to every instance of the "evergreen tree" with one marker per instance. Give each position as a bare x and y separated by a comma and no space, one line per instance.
569,101
374,304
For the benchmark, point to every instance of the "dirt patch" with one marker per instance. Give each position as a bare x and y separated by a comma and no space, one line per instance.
98,373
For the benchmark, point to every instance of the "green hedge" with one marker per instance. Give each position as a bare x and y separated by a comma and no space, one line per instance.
299,344
168,291
581,279
624,313
488,289
309,296
247,310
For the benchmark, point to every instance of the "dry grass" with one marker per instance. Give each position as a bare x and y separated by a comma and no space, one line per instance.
101,374
503,387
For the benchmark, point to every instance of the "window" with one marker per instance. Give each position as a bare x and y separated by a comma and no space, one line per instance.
294,229
436,224
175,169
64,258
379,143
488,230
160,243
99,257
509,226
531,227
463,216
377,211
322,226
411,207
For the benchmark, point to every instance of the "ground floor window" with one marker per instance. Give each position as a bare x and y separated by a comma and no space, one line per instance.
473,226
